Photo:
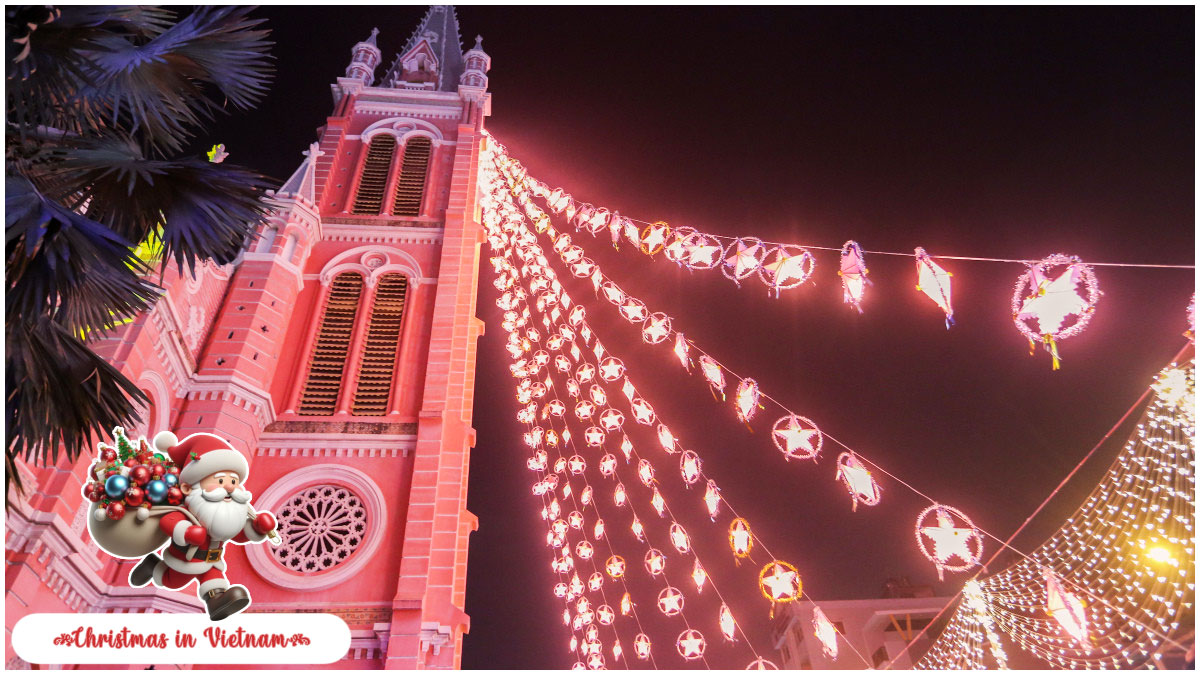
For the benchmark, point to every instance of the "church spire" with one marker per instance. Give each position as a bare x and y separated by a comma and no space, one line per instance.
365,56
436,43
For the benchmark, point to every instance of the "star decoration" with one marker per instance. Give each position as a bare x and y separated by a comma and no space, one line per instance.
689,467
779,581
634,310
743,258
575,520
575,317
615,566
585,409
656,562
583,268
605,615
595,661
740,538
619,495
608,465
595,582
560,590
585,373
949,541
641,646
611,369
1037,297
702,251
560,465
642,412
612,293
690,644
726,622
576,586
611,419
598,395
797,437
783,269
573,388
584,550
576,464
656,328
654,237
670,601
679,538
858,481
594,436
562,363
826,633
556,408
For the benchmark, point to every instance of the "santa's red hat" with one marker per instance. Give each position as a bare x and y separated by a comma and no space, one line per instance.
201,455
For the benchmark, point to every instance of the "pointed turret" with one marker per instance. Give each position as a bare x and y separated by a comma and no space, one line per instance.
365,56
432,58
477,64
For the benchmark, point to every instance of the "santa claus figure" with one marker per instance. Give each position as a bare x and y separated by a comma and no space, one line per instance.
211,476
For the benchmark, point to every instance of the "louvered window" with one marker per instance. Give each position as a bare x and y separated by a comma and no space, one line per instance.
379,353
327,365
371,186
411,186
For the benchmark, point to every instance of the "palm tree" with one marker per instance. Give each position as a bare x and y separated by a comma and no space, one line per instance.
101,103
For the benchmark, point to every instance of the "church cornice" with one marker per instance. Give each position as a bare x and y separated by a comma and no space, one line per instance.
336,230
235,390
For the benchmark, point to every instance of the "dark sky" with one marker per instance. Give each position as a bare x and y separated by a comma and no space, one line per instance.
1004,132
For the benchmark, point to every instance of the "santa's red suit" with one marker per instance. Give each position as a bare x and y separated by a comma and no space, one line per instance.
207,564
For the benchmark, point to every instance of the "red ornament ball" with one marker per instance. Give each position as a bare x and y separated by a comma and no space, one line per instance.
93,491
134,496
174,496
131,462
108,456
145,457
173,469
115,510
140,474
157,471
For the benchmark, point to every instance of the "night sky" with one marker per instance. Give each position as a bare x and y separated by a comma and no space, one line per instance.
1008,133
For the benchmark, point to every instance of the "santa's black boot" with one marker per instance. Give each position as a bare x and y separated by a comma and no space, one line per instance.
144,572
225,602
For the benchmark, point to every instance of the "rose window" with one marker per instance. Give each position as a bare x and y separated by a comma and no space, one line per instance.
320,528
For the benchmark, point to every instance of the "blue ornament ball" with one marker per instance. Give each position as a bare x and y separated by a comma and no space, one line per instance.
171,480
156,490
116,486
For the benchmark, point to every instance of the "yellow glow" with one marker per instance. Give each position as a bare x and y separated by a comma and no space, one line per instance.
1158,554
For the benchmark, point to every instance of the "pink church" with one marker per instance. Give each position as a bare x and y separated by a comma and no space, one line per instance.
338,353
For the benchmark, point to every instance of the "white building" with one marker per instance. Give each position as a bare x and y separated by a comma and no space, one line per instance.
871,633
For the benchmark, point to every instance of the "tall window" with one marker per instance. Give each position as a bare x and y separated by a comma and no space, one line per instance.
328,362
371,186
410,188
378,366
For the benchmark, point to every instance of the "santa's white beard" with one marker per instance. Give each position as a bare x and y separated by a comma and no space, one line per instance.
224,520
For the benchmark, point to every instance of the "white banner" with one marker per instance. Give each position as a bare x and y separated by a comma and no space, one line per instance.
180,638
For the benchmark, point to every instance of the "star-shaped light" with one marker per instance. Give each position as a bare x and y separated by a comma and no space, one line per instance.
949,541
779,581
654,237
595,582
551,438
575,520
576,464
569,254
638,530
541,357
786,267
746,400
583,604
670,601
656,328
573,388
1052,301
690,644
656,562
585,373
726,622
598,395
576,586
713,372
641,646
584,550
559,527
675,250
608,465
702,252
583,268
615,566
619,495
634,310
560,465
642,411
594,436
666,438
699,576
612,293
858,481
679,538
611,369
595,661
712,499
656,500
689,467
605,615
797,437
743,257
740,538
561,363
826,633
560,590
585,409
646,472
556,408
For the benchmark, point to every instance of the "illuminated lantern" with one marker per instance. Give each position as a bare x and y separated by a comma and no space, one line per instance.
541,357
690,644
656,500
761,664
656,562
555,509
583,605
934,281
726,622
585,497
562,363
713,373
573,388
858,481
670,601
584,410
560,465
654,237
615,566
743,258
746,401
641,646
699,576
626,447
740,538
585,373
595,582
666,438
642,412
582,269
594,436
612,292
681,350
786,266
779,582
576,464
605,615
584,550
656,328
638,530
679,538
608,465
626,604
616,649
611,369
712,499
701,252
595,661
598,529
619,495
964,543
611,419
634,310
1066,608
551,438
826,633
560,590
1049,301
797,437
574,643
854,274
576,586
566,491
645,472
575,520
598,395
689,467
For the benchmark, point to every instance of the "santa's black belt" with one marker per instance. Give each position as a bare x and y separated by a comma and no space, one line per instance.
202,555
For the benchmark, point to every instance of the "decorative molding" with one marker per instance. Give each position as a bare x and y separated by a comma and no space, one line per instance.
341,427
285,488
434,635
390,260
377,228
231,388
401,128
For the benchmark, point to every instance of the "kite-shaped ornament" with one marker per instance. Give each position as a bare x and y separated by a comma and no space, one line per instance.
952,535
934,281
1190,333
826,633
746,400
1067,609
786,266
726,622
714,374
858,481
681,350
712,499
699,576
689,467
854,274
1043,302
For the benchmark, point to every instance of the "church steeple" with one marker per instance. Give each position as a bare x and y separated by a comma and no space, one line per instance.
365,56
432,58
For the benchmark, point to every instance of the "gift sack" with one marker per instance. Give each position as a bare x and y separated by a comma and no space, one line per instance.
131,536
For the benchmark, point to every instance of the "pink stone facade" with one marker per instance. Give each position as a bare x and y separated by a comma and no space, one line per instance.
228,352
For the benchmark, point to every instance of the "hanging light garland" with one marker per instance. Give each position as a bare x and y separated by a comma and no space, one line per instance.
1048,300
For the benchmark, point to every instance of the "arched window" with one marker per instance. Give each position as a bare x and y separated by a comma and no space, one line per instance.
410,188
266,241
378,365
326,366
369,200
